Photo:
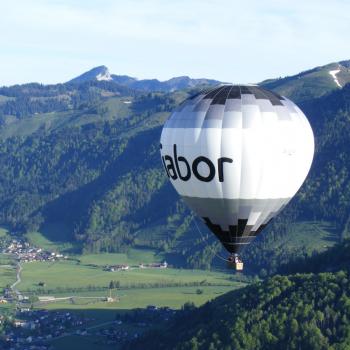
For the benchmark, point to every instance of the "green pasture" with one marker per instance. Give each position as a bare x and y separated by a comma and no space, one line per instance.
173,297
116,107
66,274
131,257
7,271
7,275
3,232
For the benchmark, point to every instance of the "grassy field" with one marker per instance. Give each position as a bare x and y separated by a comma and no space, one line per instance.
138,287
7,266
173,297
7,271
66,274
129,299
84,276
3,232
132,257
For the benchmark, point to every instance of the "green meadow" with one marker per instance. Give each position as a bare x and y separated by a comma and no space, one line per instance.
84,276
75,274
174,297
7,271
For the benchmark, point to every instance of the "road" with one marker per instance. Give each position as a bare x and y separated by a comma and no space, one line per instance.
18,280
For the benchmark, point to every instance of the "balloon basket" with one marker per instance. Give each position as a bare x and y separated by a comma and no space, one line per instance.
235,264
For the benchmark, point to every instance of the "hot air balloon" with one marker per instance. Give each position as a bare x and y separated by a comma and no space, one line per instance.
237,154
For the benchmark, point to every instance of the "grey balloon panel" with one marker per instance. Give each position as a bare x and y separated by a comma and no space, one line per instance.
265,106
202,106
187,116
236,237
212,124
225,212
234,105
215,112
270,212
290,106
248,99
232,119
283,113
252,116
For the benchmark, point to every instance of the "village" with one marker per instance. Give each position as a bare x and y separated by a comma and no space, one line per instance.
28,327
36,329
125,267
25,252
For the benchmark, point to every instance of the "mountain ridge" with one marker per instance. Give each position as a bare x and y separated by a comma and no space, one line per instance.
182,82
314,82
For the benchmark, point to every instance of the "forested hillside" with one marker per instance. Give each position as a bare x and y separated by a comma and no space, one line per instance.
85,156
334,259
91,167
302,311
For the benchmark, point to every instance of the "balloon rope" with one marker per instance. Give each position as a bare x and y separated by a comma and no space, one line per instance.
205,241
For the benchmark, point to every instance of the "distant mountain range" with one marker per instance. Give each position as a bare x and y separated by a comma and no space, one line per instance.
311,83
102,73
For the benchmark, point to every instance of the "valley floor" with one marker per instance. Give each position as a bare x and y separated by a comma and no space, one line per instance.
80,286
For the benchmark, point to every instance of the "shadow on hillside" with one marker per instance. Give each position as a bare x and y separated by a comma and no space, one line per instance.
72,208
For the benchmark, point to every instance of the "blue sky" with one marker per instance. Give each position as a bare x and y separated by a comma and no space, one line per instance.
236,41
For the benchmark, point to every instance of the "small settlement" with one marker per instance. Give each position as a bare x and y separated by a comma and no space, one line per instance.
124,267
36,329
25,252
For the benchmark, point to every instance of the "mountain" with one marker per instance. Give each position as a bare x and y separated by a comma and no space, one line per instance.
80,149
98,73
177,83
79,162
311,83
172,84
302,311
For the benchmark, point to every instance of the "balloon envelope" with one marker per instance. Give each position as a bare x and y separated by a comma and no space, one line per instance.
237,154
